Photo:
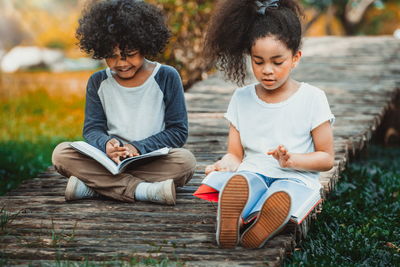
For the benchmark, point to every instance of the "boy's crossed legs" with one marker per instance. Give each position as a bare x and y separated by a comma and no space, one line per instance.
174,169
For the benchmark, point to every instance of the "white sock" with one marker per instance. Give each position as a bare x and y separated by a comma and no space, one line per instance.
141,191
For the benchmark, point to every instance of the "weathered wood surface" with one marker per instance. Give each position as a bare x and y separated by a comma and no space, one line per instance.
361,76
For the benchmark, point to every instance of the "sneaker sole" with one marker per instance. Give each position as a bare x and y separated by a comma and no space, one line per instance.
272,218
231,204
71,186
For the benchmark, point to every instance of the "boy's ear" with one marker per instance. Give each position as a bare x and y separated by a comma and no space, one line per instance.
296,59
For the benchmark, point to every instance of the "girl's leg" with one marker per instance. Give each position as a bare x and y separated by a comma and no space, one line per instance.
178,165
239,193
273,216
274,212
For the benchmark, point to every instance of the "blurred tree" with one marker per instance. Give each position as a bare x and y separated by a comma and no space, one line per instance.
48,23
350,13
11,32
52,23
188,20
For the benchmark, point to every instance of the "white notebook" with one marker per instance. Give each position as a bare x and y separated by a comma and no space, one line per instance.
108,163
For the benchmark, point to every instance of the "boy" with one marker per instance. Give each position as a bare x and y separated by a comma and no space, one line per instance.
133,107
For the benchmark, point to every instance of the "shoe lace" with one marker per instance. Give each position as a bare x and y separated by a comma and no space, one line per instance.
84,190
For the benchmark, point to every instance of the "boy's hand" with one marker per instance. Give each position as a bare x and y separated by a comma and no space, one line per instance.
282,156
227,164
132,150
115,152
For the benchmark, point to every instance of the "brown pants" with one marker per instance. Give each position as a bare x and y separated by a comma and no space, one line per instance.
178,165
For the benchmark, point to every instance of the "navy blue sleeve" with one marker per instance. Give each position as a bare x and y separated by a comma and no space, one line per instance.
95,125
176,122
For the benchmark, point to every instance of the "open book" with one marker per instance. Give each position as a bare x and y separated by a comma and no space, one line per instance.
304,197
108,163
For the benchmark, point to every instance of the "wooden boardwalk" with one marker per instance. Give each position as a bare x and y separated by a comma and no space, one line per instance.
361,77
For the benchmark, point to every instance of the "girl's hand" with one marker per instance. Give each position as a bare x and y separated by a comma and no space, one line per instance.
282,156
228,163
217,166
114,151
210,168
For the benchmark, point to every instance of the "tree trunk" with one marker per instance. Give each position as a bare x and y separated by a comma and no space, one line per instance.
355,10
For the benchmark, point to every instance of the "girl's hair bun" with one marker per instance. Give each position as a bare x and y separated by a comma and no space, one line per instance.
264,6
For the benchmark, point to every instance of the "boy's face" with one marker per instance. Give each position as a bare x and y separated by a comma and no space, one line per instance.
125,68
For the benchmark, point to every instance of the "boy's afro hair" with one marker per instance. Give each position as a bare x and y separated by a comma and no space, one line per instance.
127,24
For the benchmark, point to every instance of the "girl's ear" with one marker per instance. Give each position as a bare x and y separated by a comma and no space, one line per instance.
296,59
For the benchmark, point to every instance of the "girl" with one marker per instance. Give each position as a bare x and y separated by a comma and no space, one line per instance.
280,129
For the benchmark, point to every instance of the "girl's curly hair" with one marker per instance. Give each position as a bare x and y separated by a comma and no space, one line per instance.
127,24
237,24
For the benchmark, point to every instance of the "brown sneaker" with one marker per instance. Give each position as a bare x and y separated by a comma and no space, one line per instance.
273,216
232,200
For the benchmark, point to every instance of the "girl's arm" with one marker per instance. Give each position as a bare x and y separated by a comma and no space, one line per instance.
232,159
320,160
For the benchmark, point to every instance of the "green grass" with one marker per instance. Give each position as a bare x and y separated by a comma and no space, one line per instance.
134,261
360,222
32,125
21,160
6,218
37,116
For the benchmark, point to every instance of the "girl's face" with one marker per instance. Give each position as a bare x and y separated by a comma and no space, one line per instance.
125,68
272,62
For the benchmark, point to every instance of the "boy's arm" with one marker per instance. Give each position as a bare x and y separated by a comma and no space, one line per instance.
95,125
176,121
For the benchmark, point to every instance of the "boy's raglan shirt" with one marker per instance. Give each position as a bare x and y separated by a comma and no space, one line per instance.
150,116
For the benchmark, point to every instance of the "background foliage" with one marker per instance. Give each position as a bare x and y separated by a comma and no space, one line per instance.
52,23
188,21
354,17
359,224
38,112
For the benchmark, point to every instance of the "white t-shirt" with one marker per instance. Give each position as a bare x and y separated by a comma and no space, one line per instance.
264,126
127,108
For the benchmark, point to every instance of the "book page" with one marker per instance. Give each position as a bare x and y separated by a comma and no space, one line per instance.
217,179
96,154
156,153
303,198
108,163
